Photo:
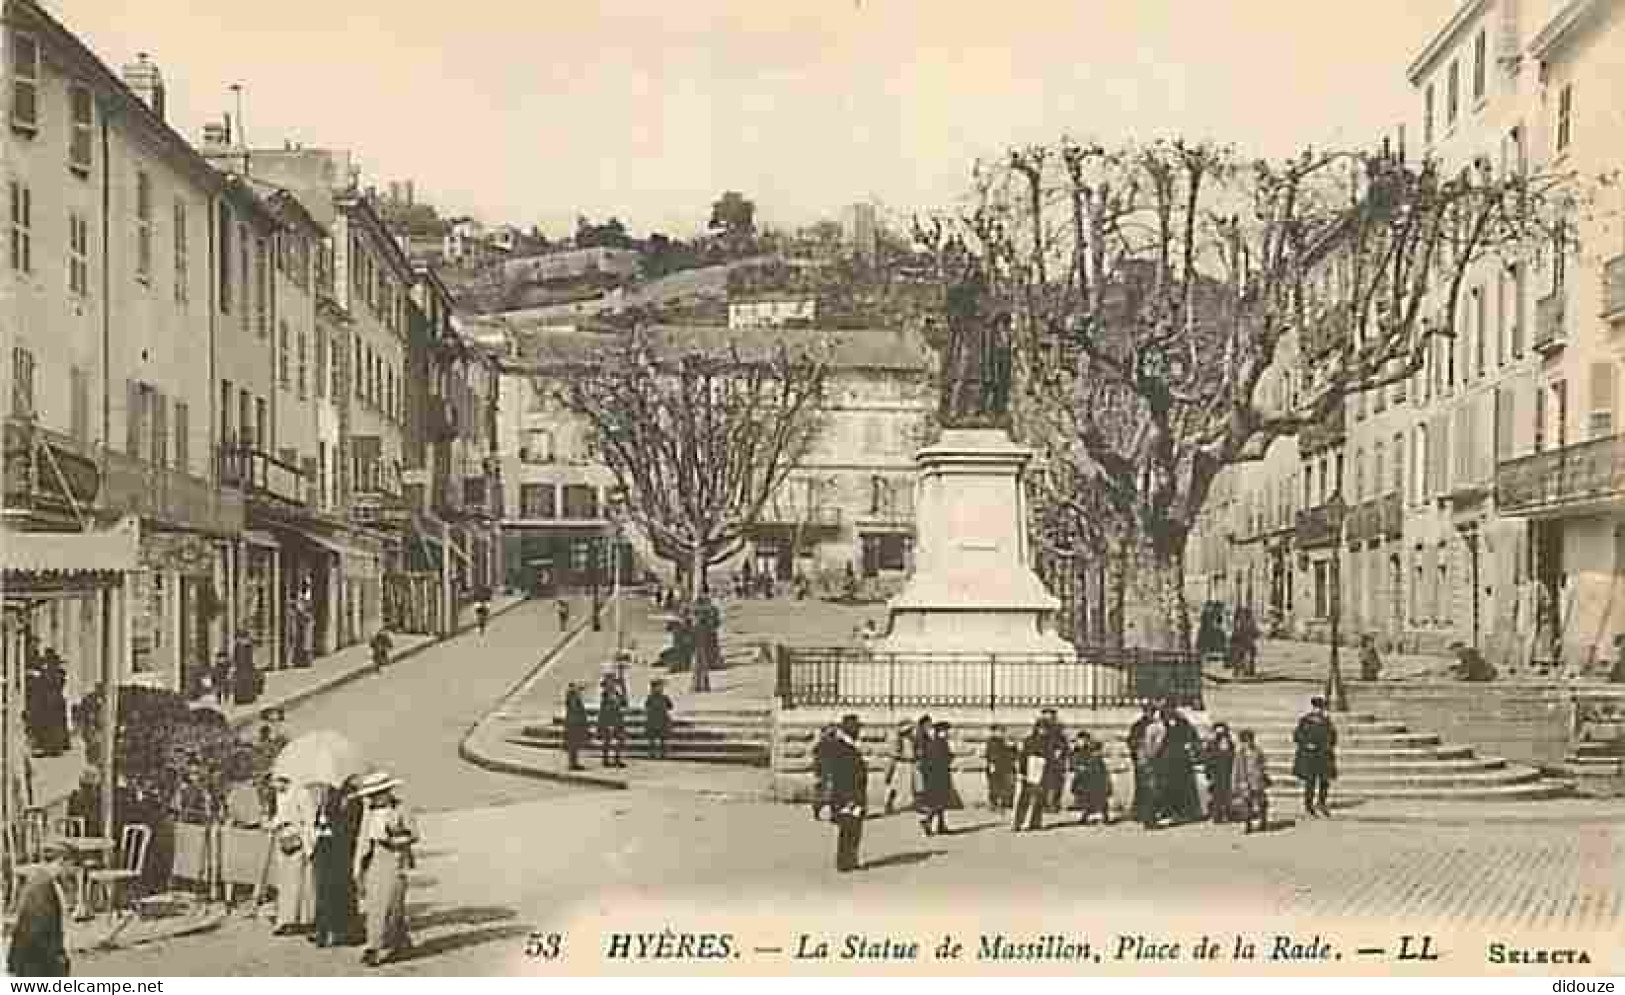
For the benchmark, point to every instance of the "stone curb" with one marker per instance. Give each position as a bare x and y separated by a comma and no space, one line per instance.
477,746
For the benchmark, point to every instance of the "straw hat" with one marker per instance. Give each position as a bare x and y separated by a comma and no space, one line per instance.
377,782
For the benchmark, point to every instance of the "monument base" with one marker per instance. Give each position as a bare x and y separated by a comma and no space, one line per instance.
972,591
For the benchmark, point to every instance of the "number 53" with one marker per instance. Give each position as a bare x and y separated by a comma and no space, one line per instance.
547,946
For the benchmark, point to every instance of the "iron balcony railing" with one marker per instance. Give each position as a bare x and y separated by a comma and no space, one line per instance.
1613,288
1577,474
1089,678
1374,520
1316,526
164,494
46,473
262,477
1550,327
377,507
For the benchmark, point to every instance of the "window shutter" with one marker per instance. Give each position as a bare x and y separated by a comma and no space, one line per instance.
1602,400
183,430
132,419
1540,418
160,430
1504,421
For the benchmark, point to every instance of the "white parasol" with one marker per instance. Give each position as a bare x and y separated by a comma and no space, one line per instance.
322,757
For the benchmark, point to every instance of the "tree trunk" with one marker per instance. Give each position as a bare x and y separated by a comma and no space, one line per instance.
1113,585
700,674
1154,615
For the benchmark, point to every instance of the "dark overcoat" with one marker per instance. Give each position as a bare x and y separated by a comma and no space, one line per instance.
1316,740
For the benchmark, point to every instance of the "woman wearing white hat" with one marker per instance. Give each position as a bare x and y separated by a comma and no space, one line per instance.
383,857
293,827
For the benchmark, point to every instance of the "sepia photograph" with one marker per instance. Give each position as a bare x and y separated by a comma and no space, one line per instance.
813,488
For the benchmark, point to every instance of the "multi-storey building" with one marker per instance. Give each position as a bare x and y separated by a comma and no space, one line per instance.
847,506
1483,494
111,302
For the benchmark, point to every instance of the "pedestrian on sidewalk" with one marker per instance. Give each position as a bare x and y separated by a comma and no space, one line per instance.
657,718
1056,752
1146,738
1315,760
849,793
823,754
220,678
1030,802
1218,763
38,949
293,830
1370,661
332,852
1244,643
612,717
576,728
482,615
900,766
1250,779
383,859
382,646
1091,784
936,770
245,683
562,607
999,759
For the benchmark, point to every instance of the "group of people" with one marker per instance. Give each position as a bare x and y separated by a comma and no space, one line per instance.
1239,648
613,702
1032,775
341,862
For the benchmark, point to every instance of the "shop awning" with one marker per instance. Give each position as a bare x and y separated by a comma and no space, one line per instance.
50,558
329,543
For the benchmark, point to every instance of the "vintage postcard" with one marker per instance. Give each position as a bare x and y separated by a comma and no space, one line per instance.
825,487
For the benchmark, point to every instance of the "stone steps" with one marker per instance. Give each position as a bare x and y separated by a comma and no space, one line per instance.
733,752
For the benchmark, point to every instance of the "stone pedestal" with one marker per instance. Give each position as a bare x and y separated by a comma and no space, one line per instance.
972,590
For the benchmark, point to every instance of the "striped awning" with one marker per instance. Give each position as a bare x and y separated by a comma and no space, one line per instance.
45,554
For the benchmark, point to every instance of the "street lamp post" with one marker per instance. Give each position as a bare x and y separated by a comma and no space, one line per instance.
617,507
1336,693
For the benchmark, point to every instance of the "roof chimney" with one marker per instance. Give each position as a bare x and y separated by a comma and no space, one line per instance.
145,81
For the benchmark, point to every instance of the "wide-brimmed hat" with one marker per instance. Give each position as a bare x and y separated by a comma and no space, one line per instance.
377,782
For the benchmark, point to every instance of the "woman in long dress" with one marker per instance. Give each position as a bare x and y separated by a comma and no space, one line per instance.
383,857
330,868
293,832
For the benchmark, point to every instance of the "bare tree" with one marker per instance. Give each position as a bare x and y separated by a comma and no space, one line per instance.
699,439
1152,287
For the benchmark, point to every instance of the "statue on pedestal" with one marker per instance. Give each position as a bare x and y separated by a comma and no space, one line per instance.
976,367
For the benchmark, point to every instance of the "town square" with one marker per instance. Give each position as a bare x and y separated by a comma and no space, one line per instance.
739,495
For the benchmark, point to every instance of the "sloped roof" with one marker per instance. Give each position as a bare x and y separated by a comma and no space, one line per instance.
875,349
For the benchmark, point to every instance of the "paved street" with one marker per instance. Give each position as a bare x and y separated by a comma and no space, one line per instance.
412,717
504,855
586,862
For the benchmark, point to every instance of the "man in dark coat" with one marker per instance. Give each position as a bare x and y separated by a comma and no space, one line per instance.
1056,753
612,719
1030,799
1218,762
1000,758
1177,773
1145,803
576,728
245,684
848,792
936,773
657,718
37,947
1315,761
823,755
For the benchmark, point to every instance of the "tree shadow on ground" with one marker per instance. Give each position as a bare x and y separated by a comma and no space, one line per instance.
972,828
902,859
425,916
1277,826
451,942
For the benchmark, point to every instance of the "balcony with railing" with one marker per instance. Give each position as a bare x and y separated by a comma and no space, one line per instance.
1317,526
1325,433
47,476
1613,289
267,482
443,421
1375,520
133,486
1551,329
480,497
371,505
790,515
1571,479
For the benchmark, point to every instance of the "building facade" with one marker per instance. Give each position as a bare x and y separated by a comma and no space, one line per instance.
847,507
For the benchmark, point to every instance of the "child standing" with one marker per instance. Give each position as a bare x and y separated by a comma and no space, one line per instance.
1091,784
1250,778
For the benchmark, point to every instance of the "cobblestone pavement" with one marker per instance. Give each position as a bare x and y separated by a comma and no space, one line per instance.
583,862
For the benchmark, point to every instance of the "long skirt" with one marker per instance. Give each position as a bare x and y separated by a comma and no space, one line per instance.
333,894
295,890
386,903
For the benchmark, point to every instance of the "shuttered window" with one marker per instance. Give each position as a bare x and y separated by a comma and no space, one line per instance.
1601,421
